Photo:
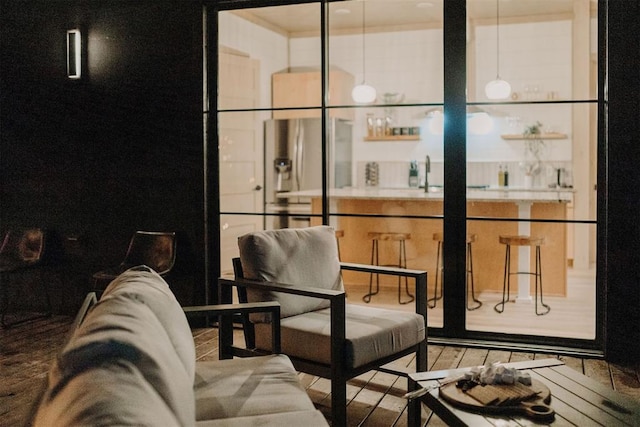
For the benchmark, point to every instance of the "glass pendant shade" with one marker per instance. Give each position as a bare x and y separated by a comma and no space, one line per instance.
497,89
363,94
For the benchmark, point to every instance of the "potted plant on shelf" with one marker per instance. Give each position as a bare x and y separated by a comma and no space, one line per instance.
534,147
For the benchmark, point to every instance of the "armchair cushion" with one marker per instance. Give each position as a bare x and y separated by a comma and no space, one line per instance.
106,394
147,287
248,387
306,257
121,331
371,334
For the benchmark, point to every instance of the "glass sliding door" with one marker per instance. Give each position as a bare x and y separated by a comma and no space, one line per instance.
265,96
396,175
531,156
395,48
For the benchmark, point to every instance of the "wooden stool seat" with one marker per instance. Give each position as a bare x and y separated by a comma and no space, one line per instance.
376,237
535,241
396,237
439,237
521,240
431,302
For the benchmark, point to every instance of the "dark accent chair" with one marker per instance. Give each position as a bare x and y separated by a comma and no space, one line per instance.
155,249
21,250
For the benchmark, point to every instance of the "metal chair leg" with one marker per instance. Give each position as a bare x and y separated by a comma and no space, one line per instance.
506,283
477,302
402,262
374,257
539,283
431,302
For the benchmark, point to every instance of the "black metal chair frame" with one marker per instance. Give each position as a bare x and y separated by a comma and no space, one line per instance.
336,371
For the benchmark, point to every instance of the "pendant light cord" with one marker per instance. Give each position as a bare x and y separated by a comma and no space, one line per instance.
497,39
363,45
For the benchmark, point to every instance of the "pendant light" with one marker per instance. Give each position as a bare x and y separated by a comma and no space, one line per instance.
498,88
363,93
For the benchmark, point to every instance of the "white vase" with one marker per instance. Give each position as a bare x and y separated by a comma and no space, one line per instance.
528,181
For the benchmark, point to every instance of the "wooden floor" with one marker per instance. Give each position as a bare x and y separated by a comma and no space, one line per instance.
375,398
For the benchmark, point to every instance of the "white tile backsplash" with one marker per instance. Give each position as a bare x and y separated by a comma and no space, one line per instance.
396,174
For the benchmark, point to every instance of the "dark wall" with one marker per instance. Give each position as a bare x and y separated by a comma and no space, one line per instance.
116,151
621,263
121,149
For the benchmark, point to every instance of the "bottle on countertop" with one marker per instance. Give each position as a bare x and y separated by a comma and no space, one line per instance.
413,174
506,176
500,177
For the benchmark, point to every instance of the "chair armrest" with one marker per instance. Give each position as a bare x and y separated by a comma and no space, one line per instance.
225,323
280,287
337,305
419,275
229,309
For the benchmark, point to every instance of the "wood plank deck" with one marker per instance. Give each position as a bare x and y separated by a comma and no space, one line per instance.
375,398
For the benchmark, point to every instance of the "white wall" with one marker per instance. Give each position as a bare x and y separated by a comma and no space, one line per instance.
532,56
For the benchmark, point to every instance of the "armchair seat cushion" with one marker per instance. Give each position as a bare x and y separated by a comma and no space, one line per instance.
371,334
248,387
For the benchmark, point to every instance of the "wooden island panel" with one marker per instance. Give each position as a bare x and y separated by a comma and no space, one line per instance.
488,253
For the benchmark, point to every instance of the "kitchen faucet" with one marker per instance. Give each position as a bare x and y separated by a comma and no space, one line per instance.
427,169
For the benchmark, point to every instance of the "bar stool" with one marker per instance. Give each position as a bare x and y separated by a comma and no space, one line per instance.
402,263
431,302
521,241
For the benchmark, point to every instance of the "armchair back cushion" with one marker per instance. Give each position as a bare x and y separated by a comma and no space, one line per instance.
307,257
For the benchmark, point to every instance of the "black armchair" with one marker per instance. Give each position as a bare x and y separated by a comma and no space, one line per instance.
321,333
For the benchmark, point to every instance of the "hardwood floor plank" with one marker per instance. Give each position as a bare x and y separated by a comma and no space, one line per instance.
625,380
474,357
598,370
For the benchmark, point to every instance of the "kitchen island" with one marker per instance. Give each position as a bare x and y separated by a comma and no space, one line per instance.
405,205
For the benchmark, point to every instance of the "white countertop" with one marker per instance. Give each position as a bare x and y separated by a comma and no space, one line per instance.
489,194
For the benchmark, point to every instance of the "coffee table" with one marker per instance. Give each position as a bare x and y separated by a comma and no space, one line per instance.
575,398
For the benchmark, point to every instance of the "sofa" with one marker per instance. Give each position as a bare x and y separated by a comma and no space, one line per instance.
130,360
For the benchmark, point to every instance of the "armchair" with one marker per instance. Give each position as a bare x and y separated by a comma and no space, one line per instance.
21,250
321,333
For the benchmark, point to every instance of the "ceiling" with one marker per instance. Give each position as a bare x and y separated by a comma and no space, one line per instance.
380,14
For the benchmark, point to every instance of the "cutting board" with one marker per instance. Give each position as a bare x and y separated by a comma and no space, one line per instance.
536,408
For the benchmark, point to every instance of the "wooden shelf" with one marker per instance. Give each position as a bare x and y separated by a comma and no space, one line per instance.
393,138
552,135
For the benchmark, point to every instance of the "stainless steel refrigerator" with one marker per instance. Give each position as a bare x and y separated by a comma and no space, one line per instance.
293,162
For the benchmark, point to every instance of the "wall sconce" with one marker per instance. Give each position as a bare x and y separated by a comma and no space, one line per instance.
74,54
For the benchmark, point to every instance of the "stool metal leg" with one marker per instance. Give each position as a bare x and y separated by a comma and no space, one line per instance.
402,262
506,284
374,258
477,302
431,302
538,275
